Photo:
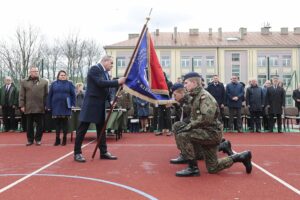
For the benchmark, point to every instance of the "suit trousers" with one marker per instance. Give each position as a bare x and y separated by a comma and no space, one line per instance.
38,119
80,134
9,118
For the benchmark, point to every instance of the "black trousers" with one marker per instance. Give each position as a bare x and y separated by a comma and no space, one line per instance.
61,124
237,113
38,119
255,120
272,121
9,118
23,122
80,133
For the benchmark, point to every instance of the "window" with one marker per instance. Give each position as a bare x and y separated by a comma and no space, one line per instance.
261,79
273,61
209,78
210,61
121,62
197,61
235,57
261,61
185,61
286,61
288,100
235,70
165,61
286,79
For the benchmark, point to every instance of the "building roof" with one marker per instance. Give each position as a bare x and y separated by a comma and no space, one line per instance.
229,39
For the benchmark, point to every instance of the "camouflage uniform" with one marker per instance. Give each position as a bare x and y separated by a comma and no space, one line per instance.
125,102
183,116
204,129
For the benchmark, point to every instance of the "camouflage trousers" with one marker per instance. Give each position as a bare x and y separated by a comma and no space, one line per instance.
198,148
188,142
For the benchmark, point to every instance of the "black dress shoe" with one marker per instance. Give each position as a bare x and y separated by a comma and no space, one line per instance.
79,158
179,160
108,156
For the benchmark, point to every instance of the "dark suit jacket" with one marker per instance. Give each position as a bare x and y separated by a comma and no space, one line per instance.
296,95
93,107
275,99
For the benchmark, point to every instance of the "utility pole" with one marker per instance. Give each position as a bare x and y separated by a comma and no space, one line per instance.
268,68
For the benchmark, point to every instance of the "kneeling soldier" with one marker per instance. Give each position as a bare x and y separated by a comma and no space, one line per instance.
206,130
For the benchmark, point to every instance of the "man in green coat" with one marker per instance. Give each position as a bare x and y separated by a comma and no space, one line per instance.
32,101
206,130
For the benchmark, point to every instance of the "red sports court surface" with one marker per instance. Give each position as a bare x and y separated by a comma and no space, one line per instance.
142,170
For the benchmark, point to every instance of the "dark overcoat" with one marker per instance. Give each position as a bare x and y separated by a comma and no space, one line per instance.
93,107
275,98
59,92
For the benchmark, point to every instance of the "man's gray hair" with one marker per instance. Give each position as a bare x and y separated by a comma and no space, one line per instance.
105,58
8,78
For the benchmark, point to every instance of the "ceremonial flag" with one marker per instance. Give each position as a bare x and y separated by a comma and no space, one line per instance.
145,78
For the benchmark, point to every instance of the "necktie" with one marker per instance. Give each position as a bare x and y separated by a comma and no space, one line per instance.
106,74
7,88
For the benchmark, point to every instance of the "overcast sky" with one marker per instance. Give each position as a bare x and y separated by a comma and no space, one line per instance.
110,21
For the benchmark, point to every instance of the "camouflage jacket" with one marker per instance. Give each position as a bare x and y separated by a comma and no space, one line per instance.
204,111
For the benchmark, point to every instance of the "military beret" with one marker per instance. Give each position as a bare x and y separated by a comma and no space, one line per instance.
176,86
191,75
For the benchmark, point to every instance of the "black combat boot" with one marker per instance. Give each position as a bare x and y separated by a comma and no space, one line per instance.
64,141
179,160
245,158
57,140
191,170
226,147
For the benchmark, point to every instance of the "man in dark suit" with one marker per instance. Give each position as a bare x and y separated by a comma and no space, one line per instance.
296,97
93,107
275,100
9,97
217,90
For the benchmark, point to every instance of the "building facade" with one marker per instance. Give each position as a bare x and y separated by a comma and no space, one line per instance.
246,54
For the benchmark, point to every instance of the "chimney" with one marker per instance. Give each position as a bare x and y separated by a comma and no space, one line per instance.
243,32
210,32
133,35
284,31
175,34
297,30
220,34
194,31
157,32
265,30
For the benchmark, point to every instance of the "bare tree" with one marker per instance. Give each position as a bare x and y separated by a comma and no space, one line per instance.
28,45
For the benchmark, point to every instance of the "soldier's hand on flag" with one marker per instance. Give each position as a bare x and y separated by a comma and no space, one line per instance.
121,80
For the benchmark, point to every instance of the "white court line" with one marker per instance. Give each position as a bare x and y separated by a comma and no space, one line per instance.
171,145
277,179
92,179
38,170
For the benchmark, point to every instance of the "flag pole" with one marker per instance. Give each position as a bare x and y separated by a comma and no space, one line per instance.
120,88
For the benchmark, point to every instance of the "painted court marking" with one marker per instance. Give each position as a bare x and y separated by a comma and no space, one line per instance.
38,170
275,178
91,179
61,158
